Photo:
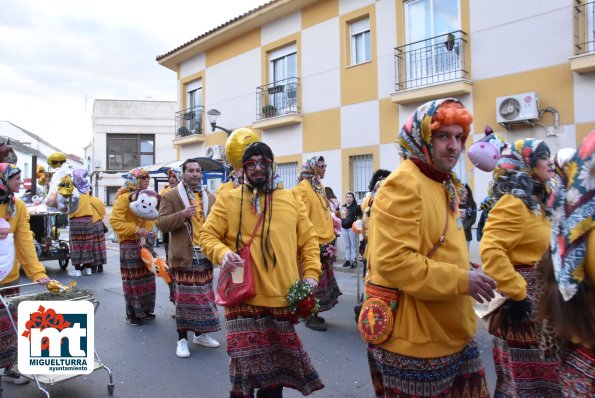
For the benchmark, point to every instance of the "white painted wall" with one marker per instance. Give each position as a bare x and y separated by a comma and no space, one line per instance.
519,43
231,88
193,65
386,41
389,156
360,124
192,150
584,98
286,140
321,78
281,28
346,6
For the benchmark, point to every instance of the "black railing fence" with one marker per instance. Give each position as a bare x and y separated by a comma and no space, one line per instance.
431,61
584,27
189,122
278,98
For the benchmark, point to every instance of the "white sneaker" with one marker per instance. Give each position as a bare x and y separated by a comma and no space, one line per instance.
15,378
182,350
205,340
88,271
74,272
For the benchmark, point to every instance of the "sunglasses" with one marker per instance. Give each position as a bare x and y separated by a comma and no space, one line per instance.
263,163
322,166
143,178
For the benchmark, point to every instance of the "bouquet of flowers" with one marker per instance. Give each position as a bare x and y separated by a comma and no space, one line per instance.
302,300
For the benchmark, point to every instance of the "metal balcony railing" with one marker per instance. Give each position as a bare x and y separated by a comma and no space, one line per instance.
584,27
423,63
189,122
277,99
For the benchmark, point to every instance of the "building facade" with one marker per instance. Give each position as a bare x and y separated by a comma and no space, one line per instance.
339,77
127,134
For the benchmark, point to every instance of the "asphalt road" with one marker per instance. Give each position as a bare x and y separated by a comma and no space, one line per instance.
144,363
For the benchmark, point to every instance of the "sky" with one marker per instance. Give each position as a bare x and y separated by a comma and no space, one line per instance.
58,56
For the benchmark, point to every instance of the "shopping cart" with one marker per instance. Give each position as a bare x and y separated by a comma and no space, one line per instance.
11,302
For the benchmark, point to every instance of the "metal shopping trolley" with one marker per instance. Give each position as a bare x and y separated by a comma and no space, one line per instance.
11,301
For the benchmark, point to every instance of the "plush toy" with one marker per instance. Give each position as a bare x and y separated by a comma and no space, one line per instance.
156,265
485,153
7,249
145,205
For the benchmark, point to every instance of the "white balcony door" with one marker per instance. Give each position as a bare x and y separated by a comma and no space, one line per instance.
590,28
283,65
427,59
193,116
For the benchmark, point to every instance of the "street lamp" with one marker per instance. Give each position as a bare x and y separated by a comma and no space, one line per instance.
213,115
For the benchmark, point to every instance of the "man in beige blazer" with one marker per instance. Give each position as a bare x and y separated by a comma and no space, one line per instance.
182,213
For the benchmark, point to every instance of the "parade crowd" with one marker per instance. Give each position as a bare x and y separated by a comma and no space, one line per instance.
417,317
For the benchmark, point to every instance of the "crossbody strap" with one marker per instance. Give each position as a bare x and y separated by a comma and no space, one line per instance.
260,219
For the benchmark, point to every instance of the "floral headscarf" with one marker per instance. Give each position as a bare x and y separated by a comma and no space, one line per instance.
7,170
309,173
573,205
514,173
175,172
415,140
80,179
131,180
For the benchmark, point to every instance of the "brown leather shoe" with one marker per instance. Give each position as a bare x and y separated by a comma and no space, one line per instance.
314,323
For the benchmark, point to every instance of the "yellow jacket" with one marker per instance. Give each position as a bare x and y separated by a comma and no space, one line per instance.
124,222
84,209
292,238
97,209
23,240
435,316
513,235
319,215
224,187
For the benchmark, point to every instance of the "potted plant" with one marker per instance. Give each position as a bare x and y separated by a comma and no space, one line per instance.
450,42
269,110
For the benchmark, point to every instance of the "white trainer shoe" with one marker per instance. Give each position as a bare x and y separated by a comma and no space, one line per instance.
15,378
205,340
74,272
182,350
88,271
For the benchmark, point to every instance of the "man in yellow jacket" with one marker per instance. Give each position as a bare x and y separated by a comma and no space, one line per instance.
275,221
417,245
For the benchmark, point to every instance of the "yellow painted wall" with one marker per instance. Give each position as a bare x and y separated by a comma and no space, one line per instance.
582,130
389,120
346,153
553,86
233,48
216,138
359,83
290,158
319,12
322,130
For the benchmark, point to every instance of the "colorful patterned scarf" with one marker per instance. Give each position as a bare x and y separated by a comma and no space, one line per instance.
275,183
415,140
309,173
8,170
514,174
573,205
131,180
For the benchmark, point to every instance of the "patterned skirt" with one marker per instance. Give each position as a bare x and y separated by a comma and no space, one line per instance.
520,372
399,376
99,253
81,240
577,372
194,297
266,352
8,336
138,282
328,291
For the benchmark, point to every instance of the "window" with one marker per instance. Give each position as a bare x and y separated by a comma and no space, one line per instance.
127,151
361,168
193,114
282,74
429,59
288,172
590,26
110,195
360,41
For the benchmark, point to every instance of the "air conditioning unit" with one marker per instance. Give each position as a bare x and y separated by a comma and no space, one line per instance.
517,108
215,152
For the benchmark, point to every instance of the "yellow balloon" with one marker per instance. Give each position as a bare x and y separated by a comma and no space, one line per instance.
236,145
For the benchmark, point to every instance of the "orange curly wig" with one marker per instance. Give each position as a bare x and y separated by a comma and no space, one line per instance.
452,112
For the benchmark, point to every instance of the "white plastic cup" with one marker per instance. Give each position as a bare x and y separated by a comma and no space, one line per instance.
237,275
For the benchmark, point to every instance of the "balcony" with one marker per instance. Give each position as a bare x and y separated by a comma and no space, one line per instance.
277,104
189,126
431,68
584,37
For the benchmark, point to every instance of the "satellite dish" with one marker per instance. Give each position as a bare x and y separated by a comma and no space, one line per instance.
510,109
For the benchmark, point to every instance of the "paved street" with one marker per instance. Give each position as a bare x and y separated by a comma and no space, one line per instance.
144,363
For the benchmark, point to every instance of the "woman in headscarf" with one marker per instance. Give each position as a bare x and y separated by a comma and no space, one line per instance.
99,231
568,299
515,237
81,228
138,282
15,212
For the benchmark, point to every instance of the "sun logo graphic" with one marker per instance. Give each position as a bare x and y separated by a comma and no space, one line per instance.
56,337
